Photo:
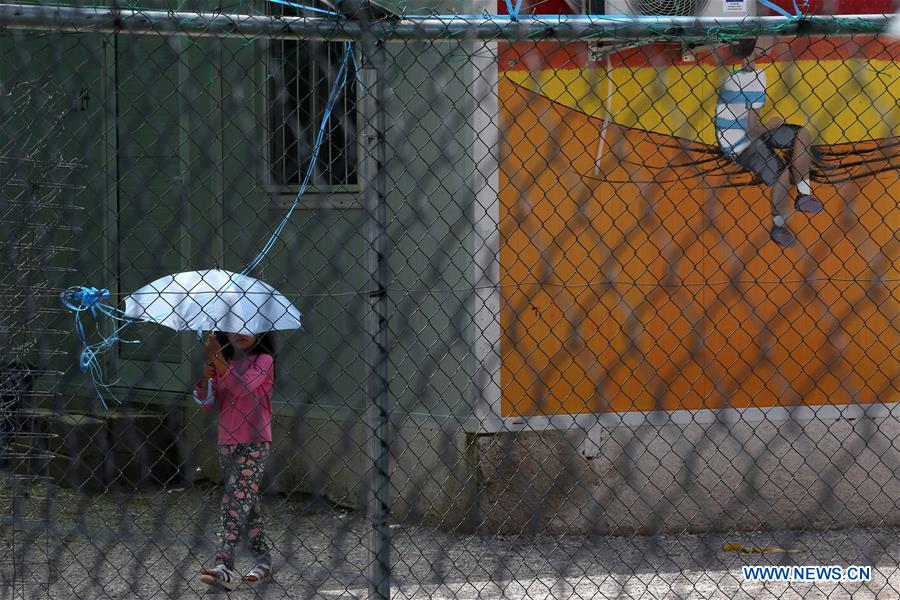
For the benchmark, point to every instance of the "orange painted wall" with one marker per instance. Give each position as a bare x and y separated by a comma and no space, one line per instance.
623,296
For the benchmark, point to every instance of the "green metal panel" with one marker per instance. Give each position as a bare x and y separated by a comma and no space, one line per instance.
54,104
429,166
319,265
152,200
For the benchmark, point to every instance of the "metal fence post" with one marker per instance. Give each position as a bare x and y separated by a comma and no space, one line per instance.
372,115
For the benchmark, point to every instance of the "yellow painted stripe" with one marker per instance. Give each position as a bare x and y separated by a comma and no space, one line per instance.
840,101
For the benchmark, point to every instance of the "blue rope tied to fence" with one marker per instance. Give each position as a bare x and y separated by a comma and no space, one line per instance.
513,10
333,94
82,299
305,7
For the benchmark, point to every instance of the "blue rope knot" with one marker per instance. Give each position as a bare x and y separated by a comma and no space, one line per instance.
513,11
80,299
85,298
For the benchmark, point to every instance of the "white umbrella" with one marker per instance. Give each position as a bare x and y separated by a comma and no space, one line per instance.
213,300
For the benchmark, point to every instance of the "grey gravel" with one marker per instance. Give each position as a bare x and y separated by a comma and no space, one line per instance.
151,545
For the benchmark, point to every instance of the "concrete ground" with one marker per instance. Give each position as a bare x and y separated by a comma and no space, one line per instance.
151,544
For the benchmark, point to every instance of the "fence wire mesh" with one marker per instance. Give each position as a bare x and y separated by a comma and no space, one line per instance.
590,308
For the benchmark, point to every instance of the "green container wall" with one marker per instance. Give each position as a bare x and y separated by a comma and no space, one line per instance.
429,173
54,171
173,145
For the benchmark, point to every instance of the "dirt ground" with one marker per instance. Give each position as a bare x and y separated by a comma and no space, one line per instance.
60,544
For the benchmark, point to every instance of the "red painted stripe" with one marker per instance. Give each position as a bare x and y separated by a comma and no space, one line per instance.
575,55
540,7
809,7
833,7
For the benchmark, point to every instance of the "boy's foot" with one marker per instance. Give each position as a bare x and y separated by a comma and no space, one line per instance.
220,576
259,573
782,236
808,204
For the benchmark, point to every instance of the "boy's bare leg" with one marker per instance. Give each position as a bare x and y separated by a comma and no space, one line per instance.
800,166
780,232
774,123
801,158
780,192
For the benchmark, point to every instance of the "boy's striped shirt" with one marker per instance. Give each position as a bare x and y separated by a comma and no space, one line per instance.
740,91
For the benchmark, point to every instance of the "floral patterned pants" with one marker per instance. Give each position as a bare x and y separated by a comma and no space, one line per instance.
242,470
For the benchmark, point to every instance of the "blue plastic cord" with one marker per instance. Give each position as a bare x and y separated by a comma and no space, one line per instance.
81,299
513,11
305,7
357,70
339,82
781,11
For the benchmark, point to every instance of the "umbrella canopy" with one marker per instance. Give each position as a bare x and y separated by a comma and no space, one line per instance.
213,300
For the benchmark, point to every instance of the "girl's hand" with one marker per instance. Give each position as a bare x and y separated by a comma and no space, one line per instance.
214,355
213,348
209,370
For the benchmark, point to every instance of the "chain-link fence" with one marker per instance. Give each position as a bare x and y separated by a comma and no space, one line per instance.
592,307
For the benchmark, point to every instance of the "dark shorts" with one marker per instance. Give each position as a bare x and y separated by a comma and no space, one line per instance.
761,156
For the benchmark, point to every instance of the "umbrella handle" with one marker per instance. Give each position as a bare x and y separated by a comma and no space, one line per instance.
210,395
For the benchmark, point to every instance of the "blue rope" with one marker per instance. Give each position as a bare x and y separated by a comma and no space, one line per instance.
305,7
339,82
513,11
338,85
781,11
82,299
357,71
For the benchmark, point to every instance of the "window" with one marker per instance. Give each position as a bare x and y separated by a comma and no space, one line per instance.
302,74
557,7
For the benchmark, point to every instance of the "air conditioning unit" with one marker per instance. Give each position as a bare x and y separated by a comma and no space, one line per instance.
673,8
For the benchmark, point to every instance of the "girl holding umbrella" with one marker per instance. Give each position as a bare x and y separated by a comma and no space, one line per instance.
243,392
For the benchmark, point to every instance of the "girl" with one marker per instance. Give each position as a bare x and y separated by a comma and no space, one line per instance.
242,388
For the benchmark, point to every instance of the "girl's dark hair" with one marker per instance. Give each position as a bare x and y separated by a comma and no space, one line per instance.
743,47
227,348
265,344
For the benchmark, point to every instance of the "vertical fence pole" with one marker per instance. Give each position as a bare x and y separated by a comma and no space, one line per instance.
372,115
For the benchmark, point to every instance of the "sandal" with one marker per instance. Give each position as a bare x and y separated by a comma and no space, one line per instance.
220,576
258,573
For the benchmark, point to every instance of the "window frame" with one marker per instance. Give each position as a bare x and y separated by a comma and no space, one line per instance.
316,196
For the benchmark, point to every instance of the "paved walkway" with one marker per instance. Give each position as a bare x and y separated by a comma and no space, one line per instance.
151,546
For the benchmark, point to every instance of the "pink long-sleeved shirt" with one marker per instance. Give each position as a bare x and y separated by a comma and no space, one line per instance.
244,396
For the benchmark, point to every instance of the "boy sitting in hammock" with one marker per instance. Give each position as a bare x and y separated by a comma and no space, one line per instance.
744,140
